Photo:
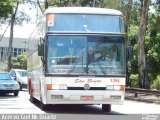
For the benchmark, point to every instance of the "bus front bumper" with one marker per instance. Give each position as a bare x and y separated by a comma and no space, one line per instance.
84,97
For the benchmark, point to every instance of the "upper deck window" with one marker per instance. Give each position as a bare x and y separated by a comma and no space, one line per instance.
85,23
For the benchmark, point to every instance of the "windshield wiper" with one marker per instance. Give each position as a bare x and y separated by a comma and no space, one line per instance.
4,79
101,58
74,68
76,62
101,68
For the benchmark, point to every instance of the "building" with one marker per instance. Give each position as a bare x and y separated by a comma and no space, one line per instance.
21,32
19,46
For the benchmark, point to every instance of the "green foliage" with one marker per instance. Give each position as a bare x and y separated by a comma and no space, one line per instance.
99,3
152,77
133,31
132,36
156,83
3,67
6,7
152,43
134,80
20,62
62,3
112,4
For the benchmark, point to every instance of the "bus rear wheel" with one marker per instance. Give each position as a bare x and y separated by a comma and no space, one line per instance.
106,107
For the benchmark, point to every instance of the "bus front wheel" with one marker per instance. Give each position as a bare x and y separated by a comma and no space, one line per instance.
32,99
106,107
43,106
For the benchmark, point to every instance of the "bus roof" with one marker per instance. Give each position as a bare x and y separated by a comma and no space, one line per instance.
83,10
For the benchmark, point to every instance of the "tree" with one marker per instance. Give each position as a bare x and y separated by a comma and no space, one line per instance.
20,62
40,6
11,37
64,3
6,7
143,78
15,20
152,43
158,1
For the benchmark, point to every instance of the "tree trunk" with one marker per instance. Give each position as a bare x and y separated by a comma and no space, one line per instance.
39,5
46,4
143,79
11,38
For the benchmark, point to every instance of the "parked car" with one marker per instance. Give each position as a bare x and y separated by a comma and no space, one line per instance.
8,84
20,76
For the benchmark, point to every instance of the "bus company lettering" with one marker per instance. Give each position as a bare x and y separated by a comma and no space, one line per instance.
88,81
93,81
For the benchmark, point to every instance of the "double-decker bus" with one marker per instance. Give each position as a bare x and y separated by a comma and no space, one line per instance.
77,55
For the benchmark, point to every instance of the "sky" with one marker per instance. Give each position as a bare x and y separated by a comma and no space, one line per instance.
24,30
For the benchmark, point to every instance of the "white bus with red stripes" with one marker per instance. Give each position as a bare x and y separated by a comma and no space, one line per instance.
77,55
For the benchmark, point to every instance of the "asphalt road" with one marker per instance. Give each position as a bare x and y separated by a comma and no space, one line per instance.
9,104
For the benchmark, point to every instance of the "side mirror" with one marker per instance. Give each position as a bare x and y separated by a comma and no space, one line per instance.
14,77
40,48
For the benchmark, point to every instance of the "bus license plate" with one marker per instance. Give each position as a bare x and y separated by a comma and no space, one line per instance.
87,97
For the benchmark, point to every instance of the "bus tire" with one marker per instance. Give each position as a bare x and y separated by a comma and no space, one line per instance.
106,107
32,99
43,106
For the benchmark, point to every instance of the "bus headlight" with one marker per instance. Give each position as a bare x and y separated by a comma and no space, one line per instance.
56,87
115,87
109,87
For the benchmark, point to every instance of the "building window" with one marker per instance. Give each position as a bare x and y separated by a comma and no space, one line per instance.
15,52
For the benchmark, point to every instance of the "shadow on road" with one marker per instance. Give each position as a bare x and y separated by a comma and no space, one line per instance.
7,95
77,109
11,95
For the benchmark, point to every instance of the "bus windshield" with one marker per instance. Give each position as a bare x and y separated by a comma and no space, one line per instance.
86,55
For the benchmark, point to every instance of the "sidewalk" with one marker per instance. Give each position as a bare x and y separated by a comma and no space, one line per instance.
143,98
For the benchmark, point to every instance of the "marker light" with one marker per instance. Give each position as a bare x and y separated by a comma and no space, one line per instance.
115,87
56,87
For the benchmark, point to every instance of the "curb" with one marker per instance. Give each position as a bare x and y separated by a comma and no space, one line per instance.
143,100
